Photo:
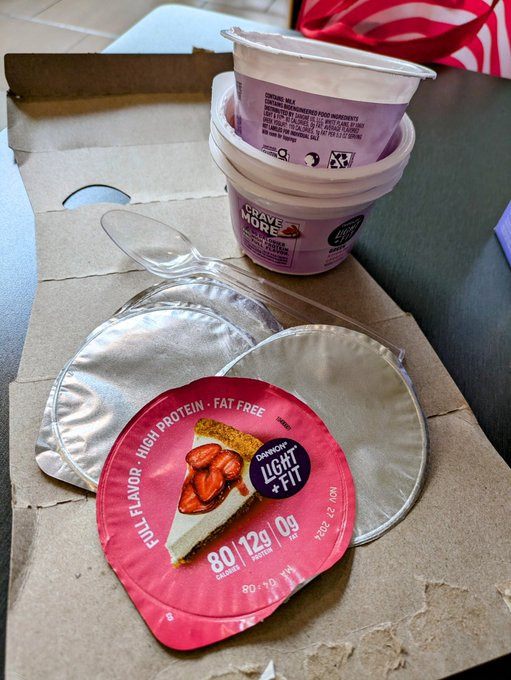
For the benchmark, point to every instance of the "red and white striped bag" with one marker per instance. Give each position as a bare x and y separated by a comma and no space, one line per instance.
471,34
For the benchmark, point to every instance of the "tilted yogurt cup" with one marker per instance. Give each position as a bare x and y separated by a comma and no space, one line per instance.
296,179
318,104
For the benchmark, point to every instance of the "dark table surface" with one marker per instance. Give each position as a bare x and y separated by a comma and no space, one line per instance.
430,244
432,247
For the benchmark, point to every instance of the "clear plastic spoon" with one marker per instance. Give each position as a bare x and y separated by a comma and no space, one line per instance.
168,253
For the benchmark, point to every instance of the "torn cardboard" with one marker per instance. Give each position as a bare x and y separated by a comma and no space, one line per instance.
420,602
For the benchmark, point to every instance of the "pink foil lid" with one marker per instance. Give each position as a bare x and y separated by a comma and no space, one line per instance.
264,553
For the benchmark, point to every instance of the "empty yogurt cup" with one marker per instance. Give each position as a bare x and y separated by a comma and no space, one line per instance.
290,233
317,104
296,179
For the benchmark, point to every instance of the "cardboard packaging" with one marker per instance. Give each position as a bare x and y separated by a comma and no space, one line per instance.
425,600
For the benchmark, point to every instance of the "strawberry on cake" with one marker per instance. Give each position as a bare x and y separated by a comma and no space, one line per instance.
216,486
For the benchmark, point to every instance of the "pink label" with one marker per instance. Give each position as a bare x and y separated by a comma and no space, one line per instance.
312,129
217,501
289,244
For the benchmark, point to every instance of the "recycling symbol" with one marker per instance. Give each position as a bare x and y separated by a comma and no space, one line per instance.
340,159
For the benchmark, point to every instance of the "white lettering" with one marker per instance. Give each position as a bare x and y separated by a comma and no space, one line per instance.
265,222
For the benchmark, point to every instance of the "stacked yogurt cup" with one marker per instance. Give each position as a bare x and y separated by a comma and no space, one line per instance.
309,135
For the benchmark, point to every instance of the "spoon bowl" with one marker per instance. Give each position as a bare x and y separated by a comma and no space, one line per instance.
158,247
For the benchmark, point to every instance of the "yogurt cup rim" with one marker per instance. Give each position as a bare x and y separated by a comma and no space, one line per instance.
245,184
414,70
322,187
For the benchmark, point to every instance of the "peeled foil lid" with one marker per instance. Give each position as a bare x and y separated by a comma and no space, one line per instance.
366,399
241,310
288,519
155,342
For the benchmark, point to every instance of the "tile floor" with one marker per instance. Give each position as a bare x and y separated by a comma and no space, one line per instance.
90,25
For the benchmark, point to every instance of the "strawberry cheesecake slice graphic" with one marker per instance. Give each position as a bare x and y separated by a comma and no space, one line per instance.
216,487
289,231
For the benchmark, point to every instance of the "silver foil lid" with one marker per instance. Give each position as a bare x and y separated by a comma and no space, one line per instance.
241,310
225,323
366,399
128,362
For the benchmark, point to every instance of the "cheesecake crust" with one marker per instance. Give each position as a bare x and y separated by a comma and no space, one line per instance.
241,442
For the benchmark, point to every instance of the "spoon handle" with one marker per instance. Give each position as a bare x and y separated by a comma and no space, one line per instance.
296,305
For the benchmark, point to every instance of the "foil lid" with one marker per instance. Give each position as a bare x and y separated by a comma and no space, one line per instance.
241,310
157,341
218,501
366,399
